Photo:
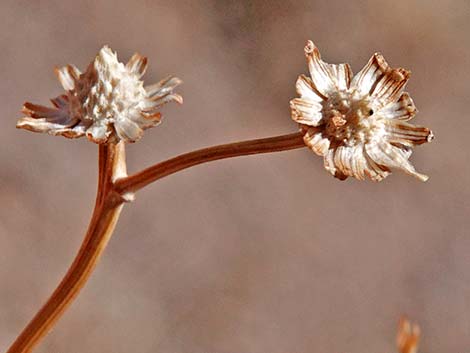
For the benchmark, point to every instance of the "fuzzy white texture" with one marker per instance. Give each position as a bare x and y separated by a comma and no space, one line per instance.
358,124
108,102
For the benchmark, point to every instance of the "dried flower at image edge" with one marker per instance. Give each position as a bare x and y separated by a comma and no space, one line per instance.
108,102
358,124
408,336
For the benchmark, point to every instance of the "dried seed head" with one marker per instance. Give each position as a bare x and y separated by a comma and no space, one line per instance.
358,124
108,102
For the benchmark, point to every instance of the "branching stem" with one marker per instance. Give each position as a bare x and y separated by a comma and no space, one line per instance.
141,179
114,189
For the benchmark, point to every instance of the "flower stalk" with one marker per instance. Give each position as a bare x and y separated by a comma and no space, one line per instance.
114,189
108,206
139,180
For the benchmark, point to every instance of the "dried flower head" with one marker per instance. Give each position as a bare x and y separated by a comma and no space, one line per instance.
359,125
408,336
108,102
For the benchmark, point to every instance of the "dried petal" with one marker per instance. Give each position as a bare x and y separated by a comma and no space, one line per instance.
41,112
316,141
326,77
374,171
390,156
163,87
306,111
306,89
147,120
128,130
359,164
381,82
98,133
329,163
365,79
60,102
407,134
157,103
137,65
342,159
49,120
67,76
390,86
404,109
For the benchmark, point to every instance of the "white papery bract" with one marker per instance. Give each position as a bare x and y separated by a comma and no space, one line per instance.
358,124
108,102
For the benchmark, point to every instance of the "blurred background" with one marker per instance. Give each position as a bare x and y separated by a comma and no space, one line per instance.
258,254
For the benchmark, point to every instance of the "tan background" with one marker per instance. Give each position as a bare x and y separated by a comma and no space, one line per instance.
251,255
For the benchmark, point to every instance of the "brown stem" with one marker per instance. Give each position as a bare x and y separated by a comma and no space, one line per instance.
115,188
105,215
137,181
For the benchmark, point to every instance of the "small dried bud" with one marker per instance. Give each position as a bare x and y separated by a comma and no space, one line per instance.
408,336
108,102
359,125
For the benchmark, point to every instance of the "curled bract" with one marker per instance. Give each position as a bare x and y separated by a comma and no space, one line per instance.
358,124
108,102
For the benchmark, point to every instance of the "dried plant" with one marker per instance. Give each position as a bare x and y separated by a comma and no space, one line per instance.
358,126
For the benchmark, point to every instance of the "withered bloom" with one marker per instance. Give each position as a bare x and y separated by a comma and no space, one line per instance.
358,124
107,102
